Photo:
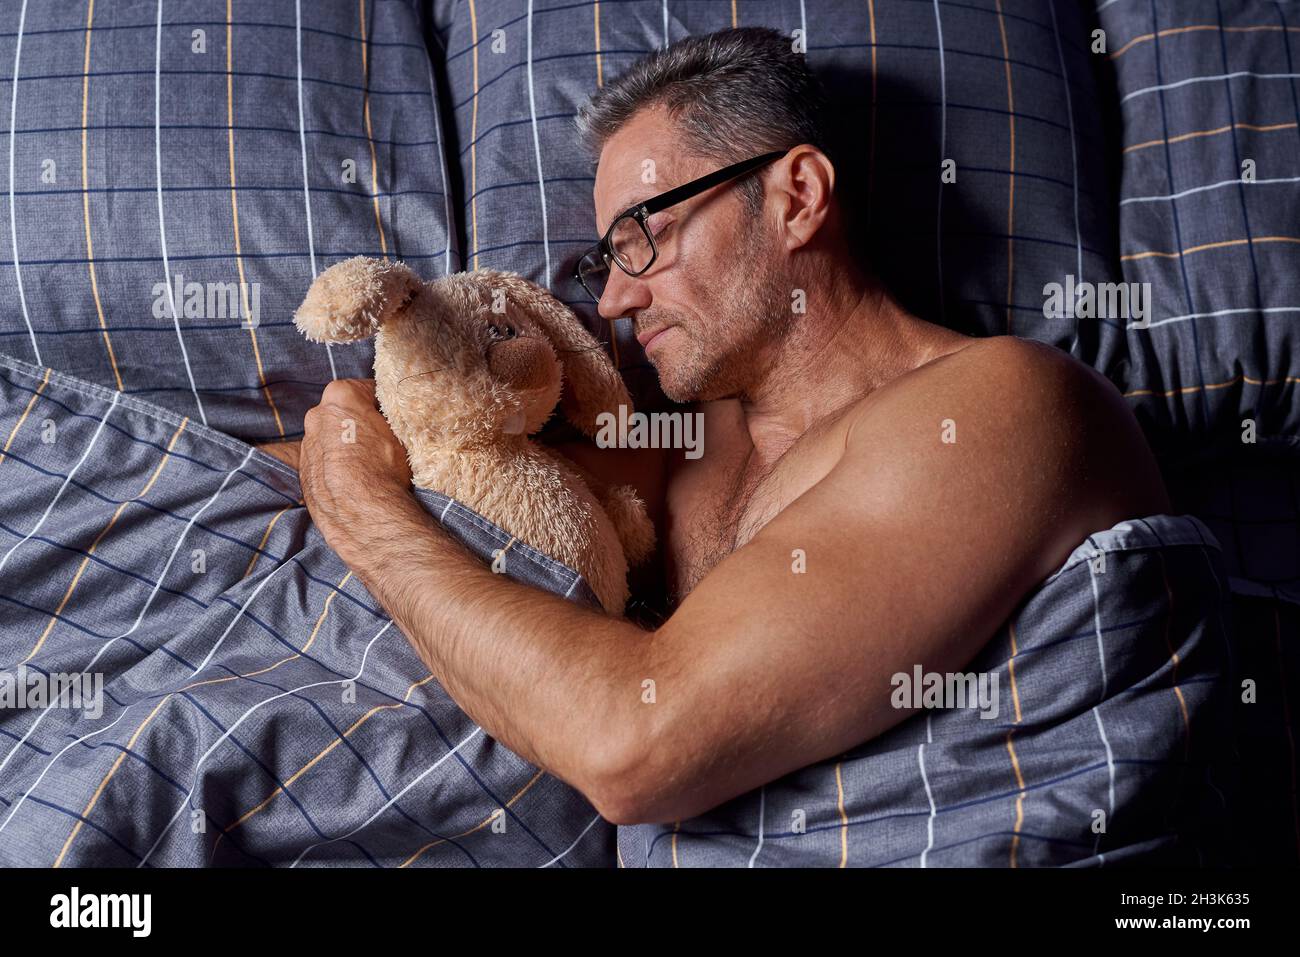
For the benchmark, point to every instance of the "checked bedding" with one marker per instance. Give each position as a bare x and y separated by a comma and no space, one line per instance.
259,707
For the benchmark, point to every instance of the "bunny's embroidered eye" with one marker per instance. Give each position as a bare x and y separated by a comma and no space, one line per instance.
503,331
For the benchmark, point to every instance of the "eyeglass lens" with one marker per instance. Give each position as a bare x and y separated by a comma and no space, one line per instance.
593,272
631,246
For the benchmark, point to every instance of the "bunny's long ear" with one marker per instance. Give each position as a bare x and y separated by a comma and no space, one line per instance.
350,300
591,383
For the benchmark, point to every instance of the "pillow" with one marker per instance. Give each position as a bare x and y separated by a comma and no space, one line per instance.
1209,215
179,174
1209,95
1005,90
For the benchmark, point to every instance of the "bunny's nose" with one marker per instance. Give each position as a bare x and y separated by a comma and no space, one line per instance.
522,362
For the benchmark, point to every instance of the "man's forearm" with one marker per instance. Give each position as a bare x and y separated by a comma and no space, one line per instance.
558,684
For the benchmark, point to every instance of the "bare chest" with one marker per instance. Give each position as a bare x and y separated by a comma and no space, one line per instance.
724,503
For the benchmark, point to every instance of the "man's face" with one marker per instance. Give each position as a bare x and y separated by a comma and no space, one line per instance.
718,293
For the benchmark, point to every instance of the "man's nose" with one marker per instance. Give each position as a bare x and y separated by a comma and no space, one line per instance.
622,294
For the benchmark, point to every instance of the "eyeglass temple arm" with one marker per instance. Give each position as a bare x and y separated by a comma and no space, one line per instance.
683,192
708,181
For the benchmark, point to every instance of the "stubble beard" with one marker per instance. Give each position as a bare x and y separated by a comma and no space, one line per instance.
750,315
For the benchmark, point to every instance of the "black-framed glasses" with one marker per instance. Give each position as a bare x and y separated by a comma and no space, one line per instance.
628,242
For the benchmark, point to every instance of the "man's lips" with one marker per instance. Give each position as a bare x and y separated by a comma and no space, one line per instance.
645,338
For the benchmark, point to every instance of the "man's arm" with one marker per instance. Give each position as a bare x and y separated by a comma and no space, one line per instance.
914,550
536,671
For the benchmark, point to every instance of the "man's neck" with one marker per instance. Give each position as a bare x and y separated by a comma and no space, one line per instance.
853,341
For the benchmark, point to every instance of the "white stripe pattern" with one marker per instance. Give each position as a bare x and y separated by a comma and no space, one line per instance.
1208,79
1101,660
13,215
1110,768
244,717
1074,155
1096,620
302,141
391,801
943,154
564,853
62,488
66,748
1205,189
153,593
1211,315
929,795
162,219
442,169
238,615
762,811
537,152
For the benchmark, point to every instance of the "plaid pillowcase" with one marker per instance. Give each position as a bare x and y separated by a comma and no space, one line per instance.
1209,211
1208,92
180,172
1003,89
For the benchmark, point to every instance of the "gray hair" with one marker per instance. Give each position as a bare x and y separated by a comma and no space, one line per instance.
733,94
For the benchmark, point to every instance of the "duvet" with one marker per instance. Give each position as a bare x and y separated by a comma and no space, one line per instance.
190,677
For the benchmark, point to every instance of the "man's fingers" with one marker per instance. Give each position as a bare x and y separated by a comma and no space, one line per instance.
349,392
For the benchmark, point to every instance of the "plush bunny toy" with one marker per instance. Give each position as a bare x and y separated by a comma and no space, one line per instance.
466,369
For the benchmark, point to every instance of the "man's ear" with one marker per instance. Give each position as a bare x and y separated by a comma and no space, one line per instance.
591,383
350,300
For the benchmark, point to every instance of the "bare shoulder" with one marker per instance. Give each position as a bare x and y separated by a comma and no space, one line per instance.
1008,371
1008,433
1024,392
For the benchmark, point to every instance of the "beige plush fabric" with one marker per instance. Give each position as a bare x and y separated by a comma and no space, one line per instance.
466,369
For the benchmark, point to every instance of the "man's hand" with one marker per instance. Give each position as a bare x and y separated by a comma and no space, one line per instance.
350,463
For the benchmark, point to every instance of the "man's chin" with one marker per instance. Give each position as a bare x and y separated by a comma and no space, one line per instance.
682,380
672,381
681,390
675,392
674,386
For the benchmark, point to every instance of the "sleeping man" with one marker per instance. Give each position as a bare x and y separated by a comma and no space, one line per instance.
877,493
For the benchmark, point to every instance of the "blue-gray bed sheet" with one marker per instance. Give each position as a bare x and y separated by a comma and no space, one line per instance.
259,708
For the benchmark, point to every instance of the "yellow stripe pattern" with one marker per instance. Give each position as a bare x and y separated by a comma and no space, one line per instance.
1011,748
234,214
370,135
85,560
1011,167
1223,244
1189,389
23,418
473,136
85,197
1270,128
1197,28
